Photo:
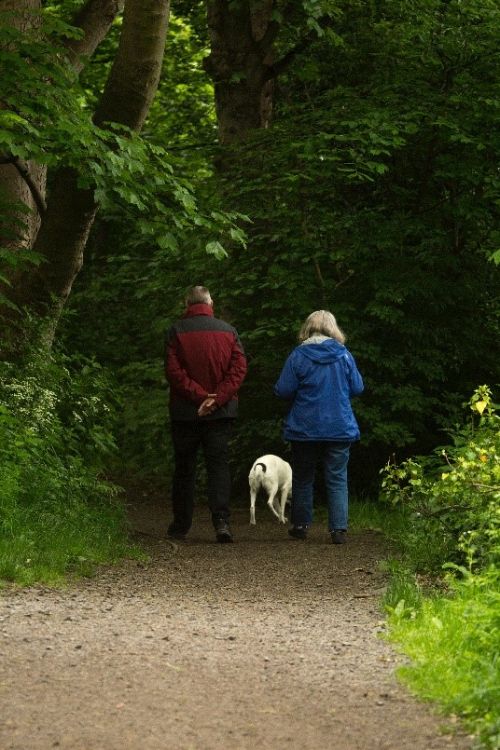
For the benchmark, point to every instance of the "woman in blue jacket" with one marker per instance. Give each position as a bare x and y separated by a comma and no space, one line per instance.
319,378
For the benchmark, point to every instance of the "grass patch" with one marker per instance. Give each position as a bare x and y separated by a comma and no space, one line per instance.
366,515
453,642
449,628
46,543
369,515
404,595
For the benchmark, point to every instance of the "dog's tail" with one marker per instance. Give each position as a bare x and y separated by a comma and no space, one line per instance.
259,463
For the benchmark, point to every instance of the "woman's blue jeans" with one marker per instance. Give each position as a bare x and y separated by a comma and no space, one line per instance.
305,457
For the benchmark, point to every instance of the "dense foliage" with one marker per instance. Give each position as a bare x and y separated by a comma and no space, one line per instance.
374,193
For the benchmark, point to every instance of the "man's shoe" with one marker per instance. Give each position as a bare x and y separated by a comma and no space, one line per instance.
298,532
339,536
174,533
223,532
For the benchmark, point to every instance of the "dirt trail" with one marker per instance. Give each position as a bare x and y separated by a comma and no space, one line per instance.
266,643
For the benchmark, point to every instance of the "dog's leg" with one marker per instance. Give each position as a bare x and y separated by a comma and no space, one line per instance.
283,499
277,504
253,496
270,502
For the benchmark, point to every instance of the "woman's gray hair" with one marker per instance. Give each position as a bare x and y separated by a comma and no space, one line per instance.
198,295
323,323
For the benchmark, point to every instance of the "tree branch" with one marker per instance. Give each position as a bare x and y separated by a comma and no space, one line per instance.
281,65
95,20
23,170
442,511
273,28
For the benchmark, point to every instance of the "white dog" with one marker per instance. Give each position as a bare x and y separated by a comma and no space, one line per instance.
273,475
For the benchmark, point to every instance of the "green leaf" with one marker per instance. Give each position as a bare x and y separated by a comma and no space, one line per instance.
216,249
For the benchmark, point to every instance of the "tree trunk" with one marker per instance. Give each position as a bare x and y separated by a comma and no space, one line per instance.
95,19
13,187
44,289
240,63
71,210
136,70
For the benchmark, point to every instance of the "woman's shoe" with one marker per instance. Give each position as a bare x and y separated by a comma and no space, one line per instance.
339,536
298,532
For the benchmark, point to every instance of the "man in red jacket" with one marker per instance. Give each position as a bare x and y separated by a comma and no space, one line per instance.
205,365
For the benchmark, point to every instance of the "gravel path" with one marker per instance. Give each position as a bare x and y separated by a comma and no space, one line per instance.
268,643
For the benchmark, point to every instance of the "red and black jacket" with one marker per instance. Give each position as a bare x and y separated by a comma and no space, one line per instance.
203,355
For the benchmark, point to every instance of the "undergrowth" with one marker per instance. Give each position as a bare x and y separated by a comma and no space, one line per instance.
368,515
57,516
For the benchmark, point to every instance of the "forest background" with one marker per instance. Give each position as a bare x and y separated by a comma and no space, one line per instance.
290,156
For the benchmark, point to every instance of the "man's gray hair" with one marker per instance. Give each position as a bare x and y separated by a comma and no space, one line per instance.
198,295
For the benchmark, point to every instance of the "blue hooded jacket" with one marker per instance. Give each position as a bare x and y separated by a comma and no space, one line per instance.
319,378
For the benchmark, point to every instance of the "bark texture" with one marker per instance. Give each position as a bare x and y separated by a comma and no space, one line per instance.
63,233
134,76
15,189
242,36
95,19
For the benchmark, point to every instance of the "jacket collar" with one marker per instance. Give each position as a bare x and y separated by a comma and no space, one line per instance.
199,309
318,339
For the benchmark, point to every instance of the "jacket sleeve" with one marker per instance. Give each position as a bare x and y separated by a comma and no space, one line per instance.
354,379
234,376
178,376
288,382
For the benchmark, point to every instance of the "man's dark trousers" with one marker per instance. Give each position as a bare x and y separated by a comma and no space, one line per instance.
213,436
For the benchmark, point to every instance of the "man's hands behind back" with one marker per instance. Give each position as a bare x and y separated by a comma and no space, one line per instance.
208,406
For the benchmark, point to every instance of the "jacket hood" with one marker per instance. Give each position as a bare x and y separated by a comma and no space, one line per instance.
322,351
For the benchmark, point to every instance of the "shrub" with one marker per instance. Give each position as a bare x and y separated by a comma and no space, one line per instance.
56,514
452,497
